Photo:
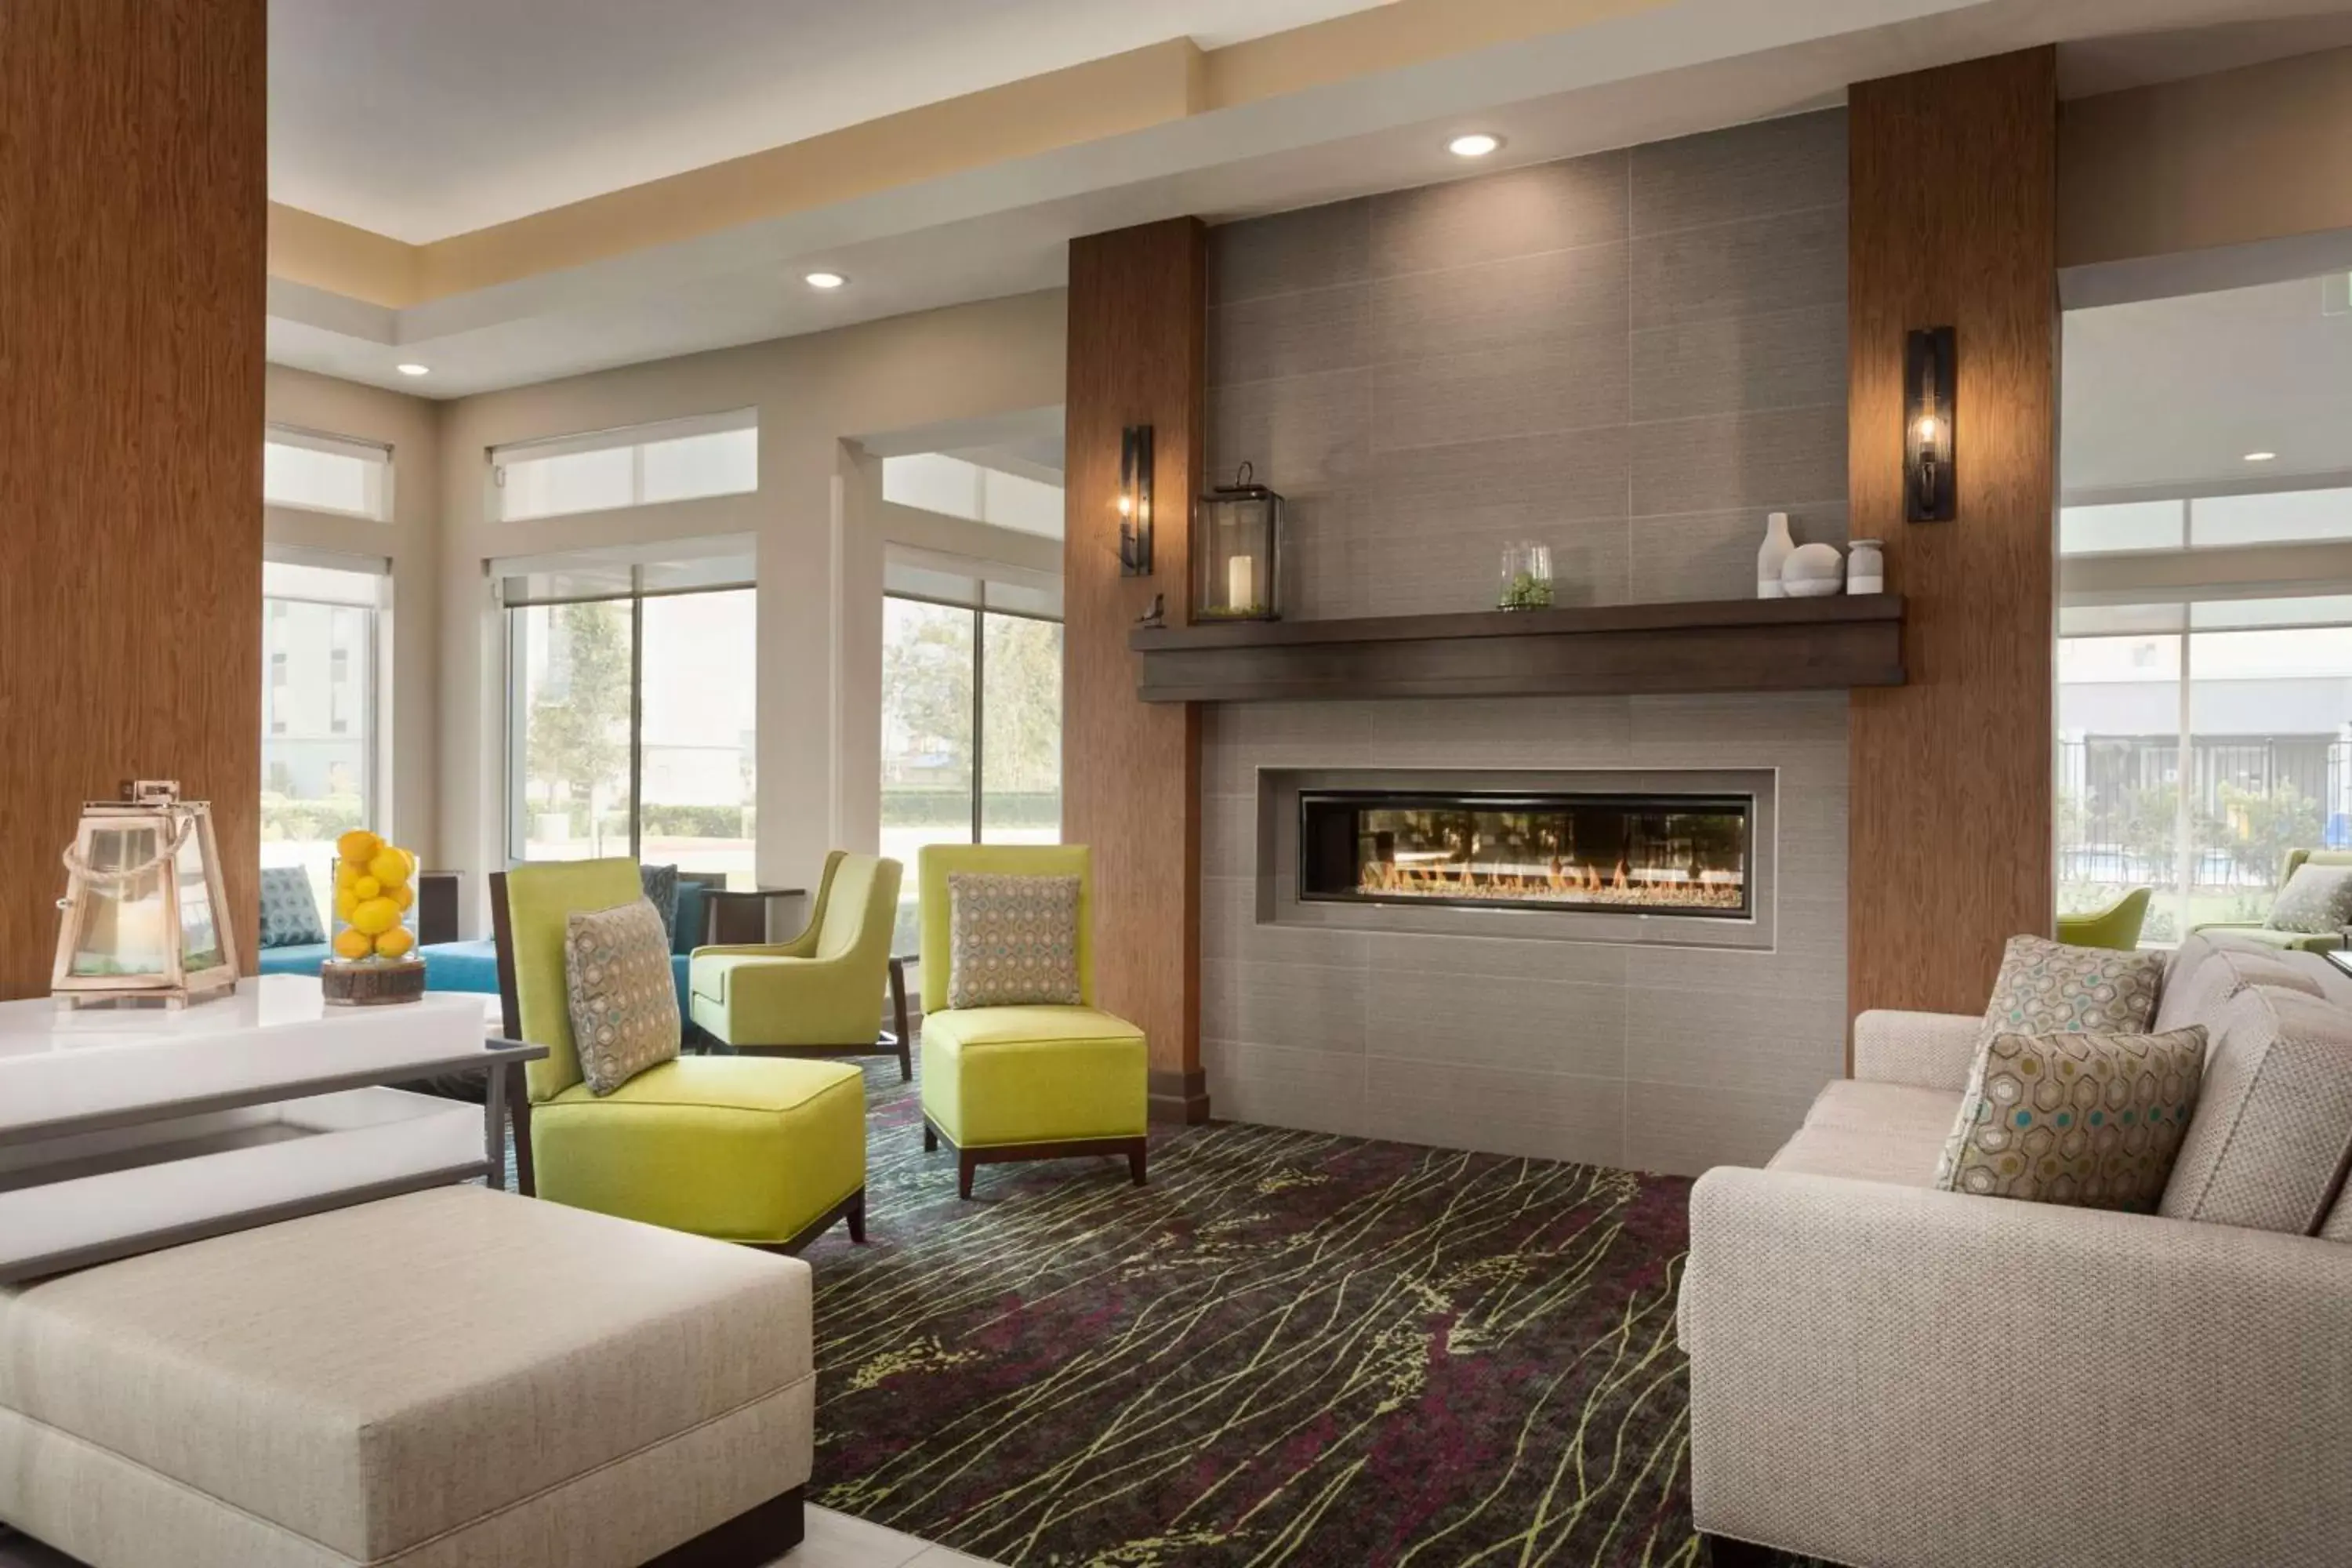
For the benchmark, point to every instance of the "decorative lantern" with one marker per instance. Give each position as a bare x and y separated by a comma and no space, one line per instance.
1237,554
143,903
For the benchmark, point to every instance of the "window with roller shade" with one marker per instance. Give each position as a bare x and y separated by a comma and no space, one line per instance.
643,465
321,622
971,709
632,706
310,471
2204,708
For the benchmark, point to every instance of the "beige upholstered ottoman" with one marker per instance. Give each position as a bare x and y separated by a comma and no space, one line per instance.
452,1379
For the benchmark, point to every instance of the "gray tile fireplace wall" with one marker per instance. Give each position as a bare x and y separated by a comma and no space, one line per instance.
1632,357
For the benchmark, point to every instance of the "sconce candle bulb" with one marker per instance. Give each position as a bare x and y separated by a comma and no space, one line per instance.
1930,487
1134,502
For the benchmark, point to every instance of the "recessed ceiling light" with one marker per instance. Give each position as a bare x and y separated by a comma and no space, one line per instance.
2260,456
824,279
1477,144
414,369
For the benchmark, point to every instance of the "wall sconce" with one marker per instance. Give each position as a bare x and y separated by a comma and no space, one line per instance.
1134,502
1928,487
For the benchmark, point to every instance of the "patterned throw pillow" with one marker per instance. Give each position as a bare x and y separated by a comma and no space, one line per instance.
290,912
660,885
2315,901
1013,940
2084,1118
624,1002
2045,987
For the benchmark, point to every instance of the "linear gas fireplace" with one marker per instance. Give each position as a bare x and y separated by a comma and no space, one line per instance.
1675,856
1642,854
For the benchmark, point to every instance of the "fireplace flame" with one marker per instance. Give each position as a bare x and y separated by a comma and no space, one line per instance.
1560,881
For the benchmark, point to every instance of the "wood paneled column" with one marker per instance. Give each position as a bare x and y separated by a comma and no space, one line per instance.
1953,203
1132,769
133,201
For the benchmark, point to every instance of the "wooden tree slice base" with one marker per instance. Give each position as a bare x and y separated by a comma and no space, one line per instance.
371,983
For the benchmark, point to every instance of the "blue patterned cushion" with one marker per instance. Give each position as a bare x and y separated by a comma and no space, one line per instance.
1012,941
622,998
2082,1118
290,912
660,883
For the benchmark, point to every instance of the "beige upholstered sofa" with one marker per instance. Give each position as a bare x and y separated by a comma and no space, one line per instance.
1886,1375
451,1379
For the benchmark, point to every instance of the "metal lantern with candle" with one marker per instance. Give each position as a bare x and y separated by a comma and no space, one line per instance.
1237,552
143,910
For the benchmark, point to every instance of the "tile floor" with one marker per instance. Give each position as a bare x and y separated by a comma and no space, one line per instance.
834,1541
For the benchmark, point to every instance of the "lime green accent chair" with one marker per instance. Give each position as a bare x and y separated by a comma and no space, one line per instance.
820,992
2116,926
2291,941
768,1152
1024,1083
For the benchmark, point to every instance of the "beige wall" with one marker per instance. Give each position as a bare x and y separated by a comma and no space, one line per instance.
2259,153
409,658
820,528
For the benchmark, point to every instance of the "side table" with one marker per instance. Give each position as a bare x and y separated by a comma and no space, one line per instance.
740,915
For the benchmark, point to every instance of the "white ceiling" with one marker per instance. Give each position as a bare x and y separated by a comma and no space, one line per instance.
422,118
2169,393
1685,67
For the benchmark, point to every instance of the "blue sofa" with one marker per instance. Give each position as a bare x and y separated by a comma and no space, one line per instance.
474,965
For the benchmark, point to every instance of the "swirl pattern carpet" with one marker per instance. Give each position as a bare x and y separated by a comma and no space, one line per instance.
1290,1349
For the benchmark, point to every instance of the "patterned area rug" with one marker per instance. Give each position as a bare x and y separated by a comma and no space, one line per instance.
1290,1349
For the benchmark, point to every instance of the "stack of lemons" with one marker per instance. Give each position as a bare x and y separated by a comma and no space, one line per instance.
373,889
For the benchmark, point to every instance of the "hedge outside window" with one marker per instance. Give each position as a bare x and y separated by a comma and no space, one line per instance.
2204,728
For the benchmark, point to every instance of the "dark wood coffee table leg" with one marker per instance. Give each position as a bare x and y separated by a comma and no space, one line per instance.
518,1108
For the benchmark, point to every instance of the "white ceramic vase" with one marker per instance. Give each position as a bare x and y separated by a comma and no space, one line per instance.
1778,547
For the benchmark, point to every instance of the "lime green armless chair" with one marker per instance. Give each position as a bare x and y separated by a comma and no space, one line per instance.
2116,926
820,992
2298,941
765,1152
1024,1083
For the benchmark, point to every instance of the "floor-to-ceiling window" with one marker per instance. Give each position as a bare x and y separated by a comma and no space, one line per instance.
2203,734
632,707
321,625
971,712
319,720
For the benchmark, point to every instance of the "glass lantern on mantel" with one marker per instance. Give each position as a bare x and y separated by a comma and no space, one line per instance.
143,905
1237,552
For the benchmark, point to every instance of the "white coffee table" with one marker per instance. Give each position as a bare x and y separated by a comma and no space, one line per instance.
126,1130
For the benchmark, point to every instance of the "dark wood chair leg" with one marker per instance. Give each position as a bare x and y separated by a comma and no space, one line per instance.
519,1112
898,1019
930,1138
1723,1551
857,1217
1135,1158
965,1165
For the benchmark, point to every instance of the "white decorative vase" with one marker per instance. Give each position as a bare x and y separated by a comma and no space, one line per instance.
1778,548
1865,567
1813,572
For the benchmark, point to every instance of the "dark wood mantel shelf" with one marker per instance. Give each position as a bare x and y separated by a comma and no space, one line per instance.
1732,644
